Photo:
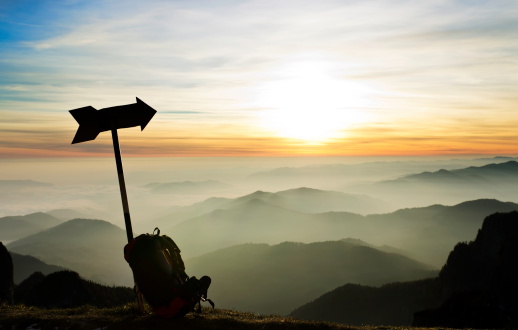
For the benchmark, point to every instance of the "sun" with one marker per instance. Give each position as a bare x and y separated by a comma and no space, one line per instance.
307,102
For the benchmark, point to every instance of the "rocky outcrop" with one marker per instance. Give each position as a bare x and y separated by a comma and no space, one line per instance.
479,282
6,276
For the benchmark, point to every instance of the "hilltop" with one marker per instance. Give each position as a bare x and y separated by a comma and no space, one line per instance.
15,227
93,248
126,317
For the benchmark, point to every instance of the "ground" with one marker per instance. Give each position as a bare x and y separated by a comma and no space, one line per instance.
127,317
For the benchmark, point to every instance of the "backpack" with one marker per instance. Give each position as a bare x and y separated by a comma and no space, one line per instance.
159,273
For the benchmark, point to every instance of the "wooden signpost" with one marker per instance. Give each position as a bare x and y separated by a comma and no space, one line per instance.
92,122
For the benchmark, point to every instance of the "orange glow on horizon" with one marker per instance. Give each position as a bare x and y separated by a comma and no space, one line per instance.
353,145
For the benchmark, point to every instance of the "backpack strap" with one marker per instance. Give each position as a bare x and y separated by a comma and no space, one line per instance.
174,253
198,310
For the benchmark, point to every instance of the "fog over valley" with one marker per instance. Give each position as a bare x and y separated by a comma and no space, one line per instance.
296,228
154,185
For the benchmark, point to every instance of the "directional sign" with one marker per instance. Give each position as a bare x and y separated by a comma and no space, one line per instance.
92,122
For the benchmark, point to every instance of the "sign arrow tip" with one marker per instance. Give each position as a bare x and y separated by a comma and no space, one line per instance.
147,113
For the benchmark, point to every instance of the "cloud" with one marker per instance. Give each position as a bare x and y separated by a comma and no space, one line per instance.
198,61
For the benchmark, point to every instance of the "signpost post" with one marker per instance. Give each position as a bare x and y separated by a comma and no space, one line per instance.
92,122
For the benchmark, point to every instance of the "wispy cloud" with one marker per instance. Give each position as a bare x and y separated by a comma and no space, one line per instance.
198,62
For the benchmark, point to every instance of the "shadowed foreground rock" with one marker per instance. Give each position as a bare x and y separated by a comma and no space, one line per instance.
479,283
6,276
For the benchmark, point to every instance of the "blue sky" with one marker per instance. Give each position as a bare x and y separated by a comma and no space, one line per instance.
258,76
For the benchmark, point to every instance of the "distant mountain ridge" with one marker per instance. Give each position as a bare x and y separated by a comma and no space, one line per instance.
22,184
15,227
305,200
24,266
91,247
187,187
429,232
340,177
274,279
497,180
445,186
371,169
470,175
256,221
66,214
83,229
309,200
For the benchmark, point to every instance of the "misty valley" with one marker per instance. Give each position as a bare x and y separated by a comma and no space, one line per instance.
368,242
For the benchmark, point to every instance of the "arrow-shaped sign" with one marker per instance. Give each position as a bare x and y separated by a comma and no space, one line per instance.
92,122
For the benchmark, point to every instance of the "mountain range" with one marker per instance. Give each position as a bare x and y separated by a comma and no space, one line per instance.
15,227
427,233
306,200
476,288
92,248
341,176
275,279
272,279
496,180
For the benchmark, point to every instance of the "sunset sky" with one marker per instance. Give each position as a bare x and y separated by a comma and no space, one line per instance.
263,78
